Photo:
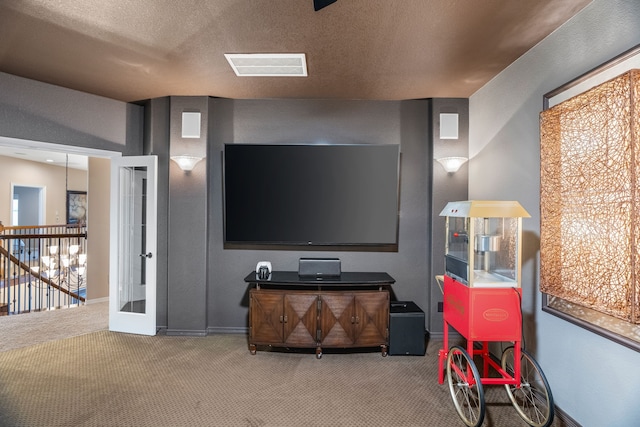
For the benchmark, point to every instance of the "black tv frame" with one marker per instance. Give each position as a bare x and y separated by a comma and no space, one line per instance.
380,190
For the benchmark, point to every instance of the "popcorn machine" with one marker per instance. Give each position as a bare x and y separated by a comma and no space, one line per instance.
482,301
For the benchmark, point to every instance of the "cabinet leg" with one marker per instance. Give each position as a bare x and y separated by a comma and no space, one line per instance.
384,350
318,352
252,349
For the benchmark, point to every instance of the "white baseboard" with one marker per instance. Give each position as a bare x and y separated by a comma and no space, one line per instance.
97,300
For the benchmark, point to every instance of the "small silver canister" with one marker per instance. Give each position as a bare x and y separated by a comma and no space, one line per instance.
487,243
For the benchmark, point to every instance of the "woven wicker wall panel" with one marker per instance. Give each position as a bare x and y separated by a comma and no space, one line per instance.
590,200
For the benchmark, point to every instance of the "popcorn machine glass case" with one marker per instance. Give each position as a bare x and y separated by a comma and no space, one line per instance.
483,242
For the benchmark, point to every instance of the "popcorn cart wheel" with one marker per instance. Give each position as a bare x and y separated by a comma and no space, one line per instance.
482,302
531,396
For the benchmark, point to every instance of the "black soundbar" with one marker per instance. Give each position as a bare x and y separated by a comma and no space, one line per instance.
319,267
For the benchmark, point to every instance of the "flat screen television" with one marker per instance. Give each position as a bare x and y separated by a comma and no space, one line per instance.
311,194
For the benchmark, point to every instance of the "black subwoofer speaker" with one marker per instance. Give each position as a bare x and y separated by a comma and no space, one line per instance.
406,329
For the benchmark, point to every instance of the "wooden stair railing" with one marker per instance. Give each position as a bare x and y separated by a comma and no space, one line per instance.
45,236
37,275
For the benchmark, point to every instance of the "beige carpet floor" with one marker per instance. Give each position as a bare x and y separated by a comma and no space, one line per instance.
44,326
111,379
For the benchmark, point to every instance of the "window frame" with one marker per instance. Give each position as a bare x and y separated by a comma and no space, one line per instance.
612,68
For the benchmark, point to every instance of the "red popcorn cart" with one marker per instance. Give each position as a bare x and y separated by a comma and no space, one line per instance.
482,302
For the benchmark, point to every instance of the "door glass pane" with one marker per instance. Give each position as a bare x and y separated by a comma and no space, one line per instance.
131,241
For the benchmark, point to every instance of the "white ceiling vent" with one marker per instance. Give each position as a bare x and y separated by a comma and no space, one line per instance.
268,64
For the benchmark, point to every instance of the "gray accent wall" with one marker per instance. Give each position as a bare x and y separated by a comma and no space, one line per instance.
182,214
594,380
446,187
37,111
200,279
407,123
187,224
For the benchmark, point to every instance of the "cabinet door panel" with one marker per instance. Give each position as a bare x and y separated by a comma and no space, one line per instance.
301,314
266,317
371,311
336,319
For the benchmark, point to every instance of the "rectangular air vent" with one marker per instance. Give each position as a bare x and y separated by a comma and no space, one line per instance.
268,64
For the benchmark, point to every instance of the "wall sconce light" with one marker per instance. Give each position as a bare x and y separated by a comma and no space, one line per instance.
186,163
452,164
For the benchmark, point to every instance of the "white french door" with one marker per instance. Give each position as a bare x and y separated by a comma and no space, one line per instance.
132,264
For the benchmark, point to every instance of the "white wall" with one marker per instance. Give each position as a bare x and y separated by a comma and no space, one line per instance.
594,380
33,174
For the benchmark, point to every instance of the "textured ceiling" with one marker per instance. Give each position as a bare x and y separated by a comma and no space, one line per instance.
132,50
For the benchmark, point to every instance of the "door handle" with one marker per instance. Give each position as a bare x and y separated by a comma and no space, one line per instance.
149,255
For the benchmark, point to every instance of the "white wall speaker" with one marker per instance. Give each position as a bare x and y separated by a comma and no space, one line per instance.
448,125
190,125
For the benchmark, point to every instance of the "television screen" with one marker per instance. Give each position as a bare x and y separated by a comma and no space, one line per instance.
311,194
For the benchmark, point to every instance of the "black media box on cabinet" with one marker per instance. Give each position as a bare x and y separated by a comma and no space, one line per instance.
319,267
406,329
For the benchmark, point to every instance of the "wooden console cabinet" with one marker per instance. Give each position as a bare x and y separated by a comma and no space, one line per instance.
346,312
